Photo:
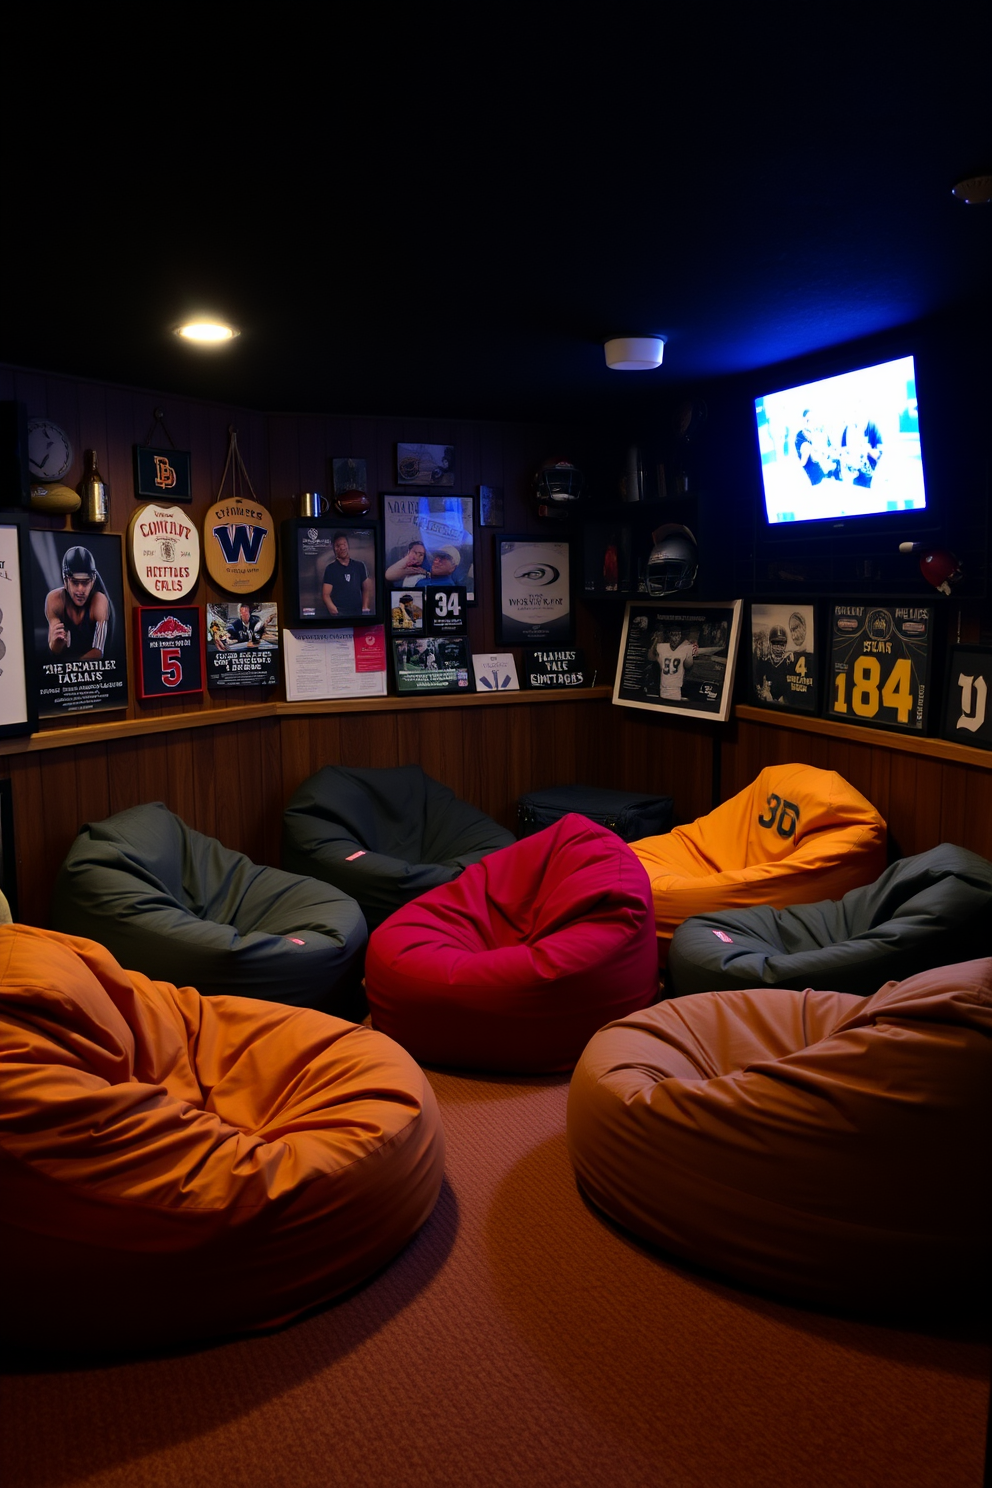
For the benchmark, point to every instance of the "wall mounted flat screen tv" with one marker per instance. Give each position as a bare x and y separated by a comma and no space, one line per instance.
842,448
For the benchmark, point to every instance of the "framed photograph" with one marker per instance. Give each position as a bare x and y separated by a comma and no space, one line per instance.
425,464
429,542
162,474
242,644
169,650
678,657
79,649
880,659
784,658
533,591
406,612
432,664
348,474
968,706
490,506
333,573
17,698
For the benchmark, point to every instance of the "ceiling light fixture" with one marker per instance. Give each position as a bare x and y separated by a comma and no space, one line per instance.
976,191
634,353
204,332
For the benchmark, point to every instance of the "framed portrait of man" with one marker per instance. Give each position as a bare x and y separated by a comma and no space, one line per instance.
333,571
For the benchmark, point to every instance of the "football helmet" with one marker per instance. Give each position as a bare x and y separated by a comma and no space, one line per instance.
78,561
674,560
557,486
939,566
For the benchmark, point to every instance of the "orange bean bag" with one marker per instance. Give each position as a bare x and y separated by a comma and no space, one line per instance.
796,835
825,1147
175,1167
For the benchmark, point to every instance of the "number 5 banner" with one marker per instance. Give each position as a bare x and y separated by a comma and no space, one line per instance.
170,651
880,658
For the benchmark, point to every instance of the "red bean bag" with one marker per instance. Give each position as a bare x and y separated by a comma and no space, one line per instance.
175,1167
795,835
825,1147
516,963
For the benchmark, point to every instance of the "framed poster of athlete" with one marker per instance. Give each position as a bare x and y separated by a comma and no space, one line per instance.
17,698
879,671
533,592
79,650
968,705
784,657
169,650
333,571
678,657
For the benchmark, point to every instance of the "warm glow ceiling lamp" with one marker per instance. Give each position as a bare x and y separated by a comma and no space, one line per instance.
205,332
634,353
975,191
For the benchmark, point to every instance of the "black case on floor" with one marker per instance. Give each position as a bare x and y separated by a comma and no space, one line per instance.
630,814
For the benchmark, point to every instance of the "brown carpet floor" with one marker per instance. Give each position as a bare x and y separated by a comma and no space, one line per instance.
519,1339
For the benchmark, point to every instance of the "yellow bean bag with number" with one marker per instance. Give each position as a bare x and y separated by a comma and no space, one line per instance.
796,835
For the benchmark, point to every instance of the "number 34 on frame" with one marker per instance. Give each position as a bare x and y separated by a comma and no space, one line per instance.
880,659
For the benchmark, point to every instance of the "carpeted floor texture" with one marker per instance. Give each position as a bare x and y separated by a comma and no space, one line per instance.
518,1340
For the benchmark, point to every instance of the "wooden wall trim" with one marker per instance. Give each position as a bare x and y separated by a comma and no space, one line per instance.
943,749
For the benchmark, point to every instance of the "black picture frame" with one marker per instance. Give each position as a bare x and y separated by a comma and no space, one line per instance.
18,702
534,599
436,524
880,660
65,682
162,475
967,715
784,673
308,552
432,664
694,683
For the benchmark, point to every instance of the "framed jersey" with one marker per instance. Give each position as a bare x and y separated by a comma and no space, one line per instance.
678,657
784,672
880,659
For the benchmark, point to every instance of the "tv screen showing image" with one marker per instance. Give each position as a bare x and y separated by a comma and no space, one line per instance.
842,447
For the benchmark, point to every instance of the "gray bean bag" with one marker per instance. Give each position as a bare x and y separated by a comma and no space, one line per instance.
931,910
182,908
384,836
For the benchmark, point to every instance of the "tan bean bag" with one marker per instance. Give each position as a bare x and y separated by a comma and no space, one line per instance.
795,835
175,1167
817,1145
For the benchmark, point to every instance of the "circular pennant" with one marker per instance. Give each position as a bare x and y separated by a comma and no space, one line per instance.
239,545
163,550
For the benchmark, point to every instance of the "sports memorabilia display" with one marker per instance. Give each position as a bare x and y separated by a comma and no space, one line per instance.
558,487
429,542
551,670
239,543
79,661
242,644
169,650
17,711
968,706
678,658
784,657
162,474
332,571
163,551
880,658
432,664
49,451
533,584
673,562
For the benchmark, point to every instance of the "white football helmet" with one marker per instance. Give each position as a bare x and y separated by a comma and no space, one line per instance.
674,560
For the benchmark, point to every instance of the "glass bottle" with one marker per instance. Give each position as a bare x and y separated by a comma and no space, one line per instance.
96,502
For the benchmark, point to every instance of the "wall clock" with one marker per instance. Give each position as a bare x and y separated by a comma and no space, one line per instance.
49,451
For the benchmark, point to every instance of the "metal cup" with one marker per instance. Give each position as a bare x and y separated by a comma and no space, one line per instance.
312,504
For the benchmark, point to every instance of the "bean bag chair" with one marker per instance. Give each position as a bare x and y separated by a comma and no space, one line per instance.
820,1146
174,904
384,836
923,911
176,1167
796,835
516,963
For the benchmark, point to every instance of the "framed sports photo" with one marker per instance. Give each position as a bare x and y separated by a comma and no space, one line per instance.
784,658
242,644
333,571
429,542
17,699
79,660
533,591
880,659
432,664
169,650
678,657
968,705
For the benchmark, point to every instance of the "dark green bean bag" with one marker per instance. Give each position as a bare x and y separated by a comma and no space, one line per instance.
384,836
931,910
182,908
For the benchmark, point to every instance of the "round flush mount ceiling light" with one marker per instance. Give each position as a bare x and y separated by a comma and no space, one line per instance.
204,331
634,353
975,191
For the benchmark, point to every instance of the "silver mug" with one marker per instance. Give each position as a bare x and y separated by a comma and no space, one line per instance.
313,505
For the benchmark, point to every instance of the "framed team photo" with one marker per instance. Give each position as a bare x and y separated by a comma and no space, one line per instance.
17,698
784,669
429,542
533,591
333,572
79,660
679,658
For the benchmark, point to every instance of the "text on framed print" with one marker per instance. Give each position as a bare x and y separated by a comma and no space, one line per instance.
880,659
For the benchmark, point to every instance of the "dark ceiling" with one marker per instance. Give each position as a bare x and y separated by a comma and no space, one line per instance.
450,222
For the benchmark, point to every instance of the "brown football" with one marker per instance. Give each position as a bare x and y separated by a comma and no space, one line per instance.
352,503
